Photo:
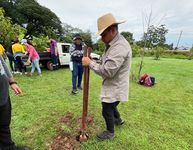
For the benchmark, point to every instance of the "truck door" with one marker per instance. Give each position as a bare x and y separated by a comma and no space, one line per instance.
64,55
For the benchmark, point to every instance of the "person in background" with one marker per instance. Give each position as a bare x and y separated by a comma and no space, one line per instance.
18,52
6,79
54,53
114,69
9,53
33,56
76,51
2,50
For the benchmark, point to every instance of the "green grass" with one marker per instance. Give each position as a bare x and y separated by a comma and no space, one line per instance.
157,118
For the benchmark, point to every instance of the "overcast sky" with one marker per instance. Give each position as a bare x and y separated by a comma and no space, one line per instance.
177,15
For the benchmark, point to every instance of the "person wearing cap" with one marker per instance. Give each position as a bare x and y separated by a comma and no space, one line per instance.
54,53
18,52
6,79
33,56
76,51
114,69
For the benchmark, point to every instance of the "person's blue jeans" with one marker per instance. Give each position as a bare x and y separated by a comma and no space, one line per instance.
54,61
36,65
77,74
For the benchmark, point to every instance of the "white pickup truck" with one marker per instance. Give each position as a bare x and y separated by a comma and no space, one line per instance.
64,56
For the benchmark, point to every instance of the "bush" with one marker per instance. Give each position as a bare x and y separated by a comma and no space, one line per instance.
179,54
8,30
157,51
190,54
41,43
99,47
135,50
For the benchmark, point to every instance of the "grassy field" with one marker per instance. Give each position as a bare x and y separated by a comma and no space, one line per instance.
157,118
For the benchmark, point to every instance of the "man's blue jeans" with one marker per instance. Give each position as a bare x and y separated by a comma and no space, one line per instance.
77,73
54,61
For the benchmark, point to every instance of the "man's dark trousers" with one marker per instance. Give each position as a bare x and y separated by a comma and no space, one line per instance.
110,114
5,134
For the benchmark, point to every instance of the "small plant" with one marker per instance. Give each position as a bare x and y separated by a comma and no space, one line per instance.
157,52
190,54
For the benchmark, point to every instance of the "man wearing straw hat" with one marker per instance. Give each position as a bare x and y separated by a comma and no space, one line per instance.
114,69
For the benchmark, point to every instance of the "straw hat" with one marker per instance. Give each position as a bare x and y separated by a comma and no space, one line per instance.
106,21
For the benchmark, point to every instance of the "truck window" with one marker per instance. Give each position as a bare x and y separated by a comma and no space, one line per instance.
65,48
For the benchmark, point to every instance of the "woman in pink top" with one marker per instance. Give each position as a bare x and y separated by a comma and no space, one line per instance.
33,56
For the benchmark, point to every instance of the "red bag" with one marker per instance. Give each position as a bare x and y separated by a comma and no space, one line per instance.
147,80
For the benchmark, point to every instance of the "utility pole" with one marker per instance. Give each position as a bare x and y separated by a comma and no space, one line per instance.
178,40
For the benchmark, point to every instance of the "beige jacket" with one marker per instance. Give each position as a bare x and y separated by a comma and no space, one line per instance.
114,69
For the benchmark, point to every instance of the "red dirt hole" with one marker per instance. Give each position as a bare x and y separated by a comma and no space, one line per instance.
82,137
69,141
64,142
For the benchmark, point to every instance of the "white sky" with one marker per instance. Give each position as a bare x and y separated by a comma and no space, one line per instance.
177,15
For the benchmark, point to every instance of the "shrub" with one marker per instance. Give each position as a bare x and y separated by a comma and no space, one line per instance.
41,43
135,50
190,54
157,51
179,54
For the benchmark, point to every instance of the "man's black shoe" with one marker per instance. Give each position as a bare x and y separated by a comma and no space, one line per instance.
74,92
80,88
105,135
119,122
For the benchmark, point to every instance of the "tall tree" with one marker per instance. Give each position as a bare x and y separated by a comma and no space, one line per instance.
70,31
39,19
86,36
156,36
8,30
128,36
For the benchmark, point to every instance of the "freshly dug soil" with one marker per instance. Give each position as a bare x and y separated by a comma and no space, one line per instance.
67,140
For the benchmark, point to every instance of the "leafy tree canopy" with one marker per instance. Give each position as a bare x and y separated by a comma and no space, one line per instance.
128,36
155,36
70,31
38,19
8,30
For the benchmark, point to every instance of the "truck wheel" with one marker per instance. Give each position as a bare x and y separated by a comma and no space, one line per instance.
50,65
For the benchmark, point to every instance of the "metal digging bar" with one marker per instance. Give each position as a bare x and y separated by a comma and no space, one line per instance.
83,135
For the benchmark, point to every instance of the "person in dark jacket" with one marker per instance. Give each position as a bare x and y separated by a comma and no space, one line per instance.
76,51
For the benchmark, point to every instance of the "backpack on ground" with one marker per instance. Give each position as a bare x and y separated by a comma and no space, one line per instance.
147,80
